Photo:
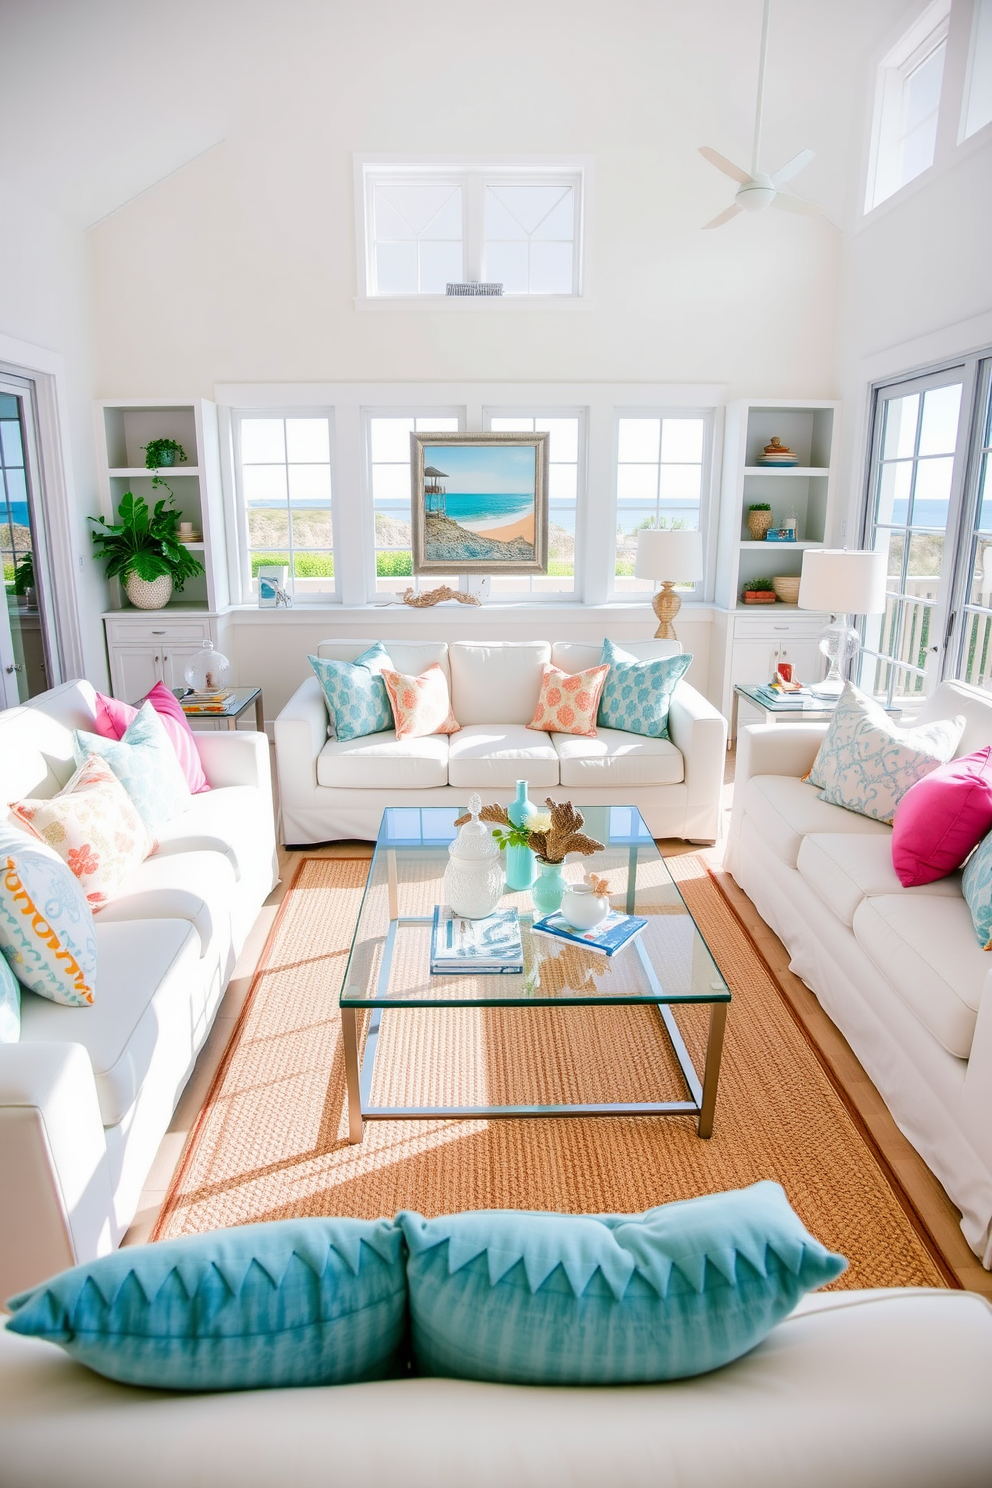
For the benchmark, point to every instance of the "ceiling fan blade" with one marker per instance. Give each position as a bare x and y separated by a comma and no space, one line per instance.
796,204
792,167
723,217
723,164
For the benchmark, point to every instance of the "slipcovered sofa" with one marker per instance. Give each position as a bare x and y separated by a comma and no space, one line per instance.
331,789
87,1094
900,971
873,1389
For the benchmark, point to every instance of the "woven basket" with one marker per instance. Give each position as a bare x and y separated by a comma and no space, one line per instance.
787,588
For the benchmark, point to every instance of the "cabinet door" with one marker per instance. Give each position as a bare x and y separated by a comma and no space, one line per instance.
135,670
754,661
175,660
808,662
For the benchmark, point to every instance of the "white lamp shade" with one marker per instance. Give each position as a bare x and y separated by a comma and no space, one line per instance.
676,556
842,582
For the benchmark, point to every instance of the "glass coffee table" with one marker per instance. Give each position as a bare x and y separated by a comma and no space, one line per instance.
388,968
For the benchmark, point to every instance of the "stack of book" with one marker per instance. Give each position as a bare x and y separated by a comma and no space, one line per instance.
207,702
606,938
489,947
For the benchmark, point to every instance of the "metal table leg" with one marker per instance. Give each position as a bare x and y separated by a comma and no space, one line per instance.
711,1073
259,714
349,1028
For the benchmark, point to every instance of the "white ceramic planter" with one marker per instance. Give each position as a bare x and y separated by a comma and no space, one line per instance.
148,594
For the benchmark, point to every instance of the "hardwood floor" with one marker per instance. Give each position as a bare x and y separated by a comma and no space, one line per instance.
931,1202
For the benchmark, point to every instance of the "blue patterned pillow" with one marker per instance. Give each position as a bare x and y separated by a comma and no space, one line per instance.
637,694
46,925
610,1299
976,886
293,1302
355,693
866,763
145,763
10,1004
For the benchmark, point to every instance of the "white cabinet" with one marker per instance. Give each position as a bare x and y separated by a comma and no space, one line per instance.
145,647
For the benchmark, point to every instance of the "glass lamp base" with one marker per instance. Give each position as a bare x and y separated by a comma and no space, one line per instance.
839,643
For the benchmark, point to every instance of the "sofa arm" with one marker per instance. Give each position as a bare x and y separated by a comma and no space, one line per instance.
699,731
58,1201
777,749
976,1102
301,733
235,758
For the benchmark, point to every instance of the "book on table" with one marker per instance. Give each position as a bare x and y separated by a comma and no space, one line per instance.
488,947
606,938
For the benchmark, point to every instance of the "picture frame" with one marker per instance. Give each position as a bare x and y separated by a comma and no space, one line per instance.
479,503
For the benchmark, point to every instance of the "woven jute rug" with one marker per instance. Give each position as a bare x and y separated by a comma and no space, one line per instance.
270,1142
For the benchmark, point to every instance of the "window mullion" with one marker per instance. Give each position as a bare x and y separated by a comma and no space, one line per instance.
474,217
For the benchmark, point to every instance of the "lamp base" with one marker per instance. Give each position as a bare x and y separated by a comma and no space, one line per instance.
666,605
839,643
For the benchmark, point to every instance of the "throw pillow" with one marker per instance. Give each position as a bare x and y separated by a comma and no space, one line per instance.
10,1004
942,818
113,717
94,827
46,927
867,763
976,886
145,763
291,1302
421,705
568,700
607,1299
637,694
355,693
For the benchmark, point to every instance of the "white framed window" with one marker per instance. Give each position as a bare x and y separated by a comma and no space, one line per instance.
977,111
387,440
566,499
425,226
662,480
283,478
907,105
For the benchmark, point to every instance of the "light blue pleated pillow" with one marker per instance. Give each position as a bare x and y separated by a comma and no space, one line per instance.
294,1302
10,1004
560,1299
976,886
637,694
356,697
145,762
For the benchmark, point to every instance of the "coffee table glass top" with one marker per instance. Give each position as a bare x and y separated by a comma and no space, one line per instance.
390,953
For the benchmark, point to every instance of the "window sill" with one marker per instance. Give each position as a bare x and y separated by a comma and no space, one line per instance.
472,304
474,615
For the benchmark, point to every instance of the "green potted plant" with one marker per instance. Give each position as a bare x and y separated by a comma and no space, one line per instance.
159,452
143,550
23,585
759,591
759,519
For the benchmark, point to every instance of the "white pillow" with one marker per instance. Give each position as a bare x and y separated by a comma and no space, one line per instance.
867,763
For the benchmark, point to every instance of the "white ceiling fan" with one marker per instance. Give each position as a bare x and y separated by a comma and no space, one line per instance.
758,190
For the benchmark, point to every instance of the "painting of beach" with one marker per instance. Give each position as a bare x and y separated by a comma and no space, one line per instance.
480,503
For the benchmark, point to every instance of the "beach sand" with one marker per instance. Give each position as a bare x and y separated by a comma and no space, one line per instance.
523,528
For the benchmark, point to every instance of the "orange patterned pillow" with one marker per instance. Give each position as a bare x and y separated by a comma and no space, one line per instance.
421,705
569,701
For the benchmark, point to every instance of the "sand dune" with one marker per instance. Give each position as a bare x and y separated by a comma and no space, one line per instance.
523,528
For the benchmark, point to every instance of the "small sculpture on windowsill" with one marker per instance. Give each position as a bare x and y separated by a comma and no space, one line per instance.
437,596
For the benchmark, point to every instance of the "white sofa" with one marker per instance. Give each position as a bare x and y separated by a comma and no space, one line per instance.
900,971
87,1094
331,789
853,1390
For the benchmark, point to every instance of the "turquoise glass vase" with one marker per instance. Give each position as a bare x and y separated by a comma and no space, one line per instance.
548,888
521,865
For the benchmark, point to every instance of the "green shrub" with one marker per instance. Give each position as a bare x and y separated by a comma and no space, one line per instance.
394,565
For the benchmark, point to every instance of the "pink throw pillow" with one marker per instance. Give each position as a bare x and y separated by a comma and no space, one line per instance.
113,717
941,818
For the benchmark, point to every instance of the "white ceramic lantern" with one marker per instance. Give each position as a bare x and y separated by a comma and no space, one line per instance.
473,879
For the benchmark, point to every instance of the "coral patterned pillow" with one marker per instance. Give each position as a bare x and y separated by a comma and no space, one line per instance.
421,705
94,827
569,700
113,718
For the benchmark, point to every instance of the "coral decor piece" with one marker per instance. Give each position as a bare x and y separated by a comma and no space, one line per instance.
551,843
569,701
600,886
437,596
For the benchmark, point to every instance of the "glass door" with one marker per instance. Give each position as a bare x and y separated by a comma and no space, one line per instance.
973,590
25,657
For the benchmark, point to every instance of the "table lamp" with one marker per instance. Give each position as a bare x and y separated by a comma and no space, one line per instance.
674,558
844,583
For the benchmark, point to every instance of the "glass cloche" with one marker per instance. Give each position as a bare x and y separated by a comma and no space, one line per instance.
209,670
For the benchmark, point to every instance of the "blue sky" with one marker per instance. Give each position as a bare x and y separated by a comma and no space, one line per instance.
489,470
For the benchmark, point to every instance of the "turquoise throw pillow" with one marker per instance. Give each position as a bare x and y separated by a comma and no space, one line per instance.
637,694
10,1004
558,1299
355,693
976,886
145,762
294,1302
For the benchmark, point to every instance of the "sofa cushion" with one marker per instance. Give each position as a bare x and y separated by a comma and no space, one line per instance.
407,656
497,683
844,869
355,694
785,810
383,762
942,818
195,886
924,947
10,1004
46,924
230,819
637,694
145,763
113,717
150,982
617,758
421,705
569,701
578,656
496,756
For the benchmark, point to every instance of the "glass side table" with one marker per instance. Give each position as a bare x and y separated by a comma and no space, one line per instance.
227,712
762,705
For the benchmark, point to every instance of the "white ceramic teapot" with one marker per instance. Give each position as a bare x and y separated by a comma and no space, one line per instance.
473,879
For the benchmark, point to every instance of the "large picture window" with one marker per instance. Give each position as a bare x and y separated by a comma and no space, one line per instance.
661,461
566,462
284,470
388,438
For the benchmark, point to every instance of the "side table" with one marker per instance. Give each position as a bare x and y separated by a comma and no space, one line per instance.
229,711
786,707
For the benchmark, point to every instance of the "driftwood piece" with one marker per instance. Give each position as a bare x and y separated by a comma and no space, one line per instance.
437,596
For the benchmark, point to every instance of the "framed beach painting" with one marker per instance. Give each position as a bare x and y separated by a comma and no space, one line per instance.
480,503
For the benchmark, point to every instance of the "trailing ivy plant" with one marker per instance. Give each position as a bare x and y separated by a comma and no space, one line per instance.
155,452
144,542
